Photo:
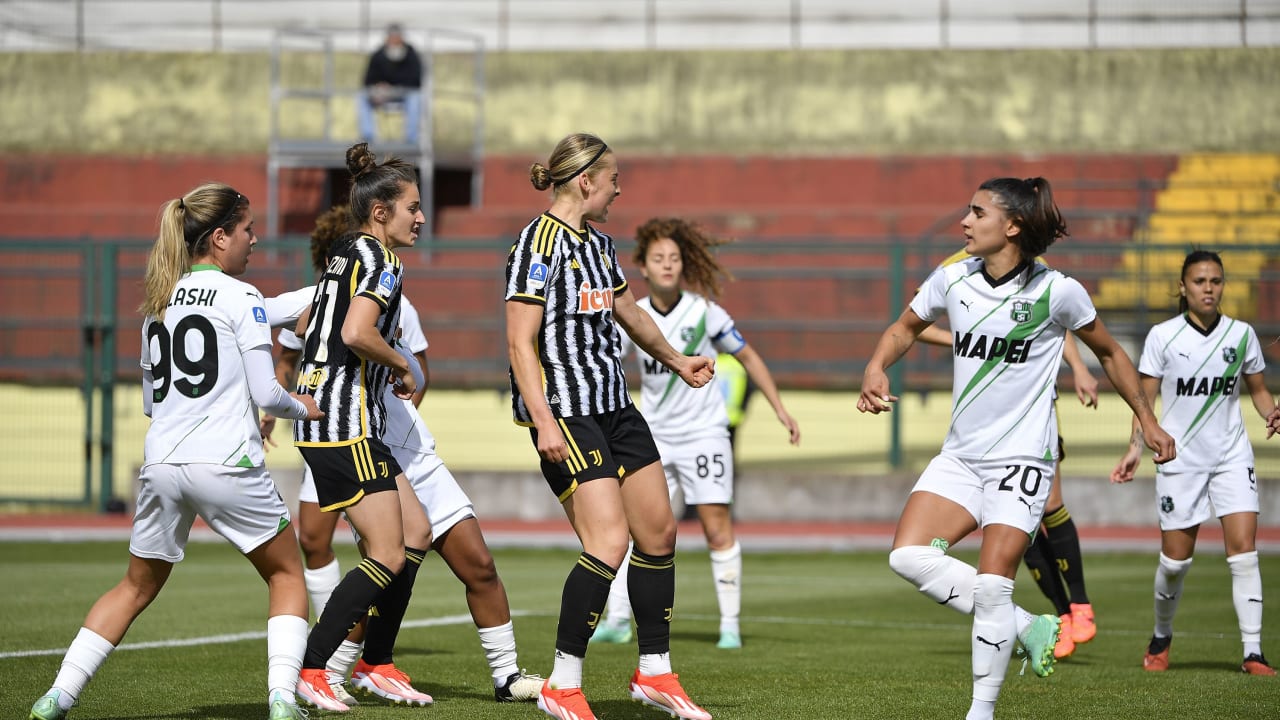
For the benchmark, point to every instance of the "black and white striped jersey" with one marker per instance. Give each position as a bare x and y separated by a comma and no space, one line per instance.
346,387
574,275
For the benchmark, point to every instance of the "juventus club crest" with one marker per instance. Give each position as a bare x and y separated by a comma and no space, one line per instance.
1021,311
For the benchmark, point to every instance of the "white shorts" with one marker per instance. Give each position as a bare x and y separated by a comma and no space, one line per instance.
307,491
438,492
1183,499
701,468
995,492
240,504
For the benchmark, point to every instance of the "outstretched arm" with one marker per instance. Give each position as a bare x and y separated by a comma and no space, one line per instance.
759,374
695,370
1124,377
1128,465
893,344
1263,401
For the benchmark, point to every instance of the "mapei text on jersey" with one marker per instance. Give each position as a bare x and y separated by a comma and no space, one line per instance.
982,347
1225,386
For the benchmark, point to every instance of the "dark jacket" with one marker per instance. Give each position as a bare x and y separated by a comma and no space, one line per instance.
406,73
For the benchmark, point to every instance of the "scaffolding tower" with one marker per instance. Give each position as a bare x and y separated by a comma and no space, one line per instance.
303,76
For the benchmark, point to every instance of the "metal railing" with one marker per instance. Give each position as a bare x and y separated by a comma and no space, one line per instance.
815,306
246,25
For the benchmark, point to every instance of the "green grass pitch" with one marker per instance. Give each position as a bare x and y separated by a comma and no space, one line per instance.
826,636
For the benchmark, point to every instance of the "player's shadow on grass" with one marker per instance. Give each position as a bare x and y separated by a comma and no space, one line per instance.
1177,665
635,710
420,651
220,711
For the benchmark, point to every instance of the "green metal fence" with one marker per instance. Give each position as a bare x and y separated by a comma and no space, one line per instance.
69,340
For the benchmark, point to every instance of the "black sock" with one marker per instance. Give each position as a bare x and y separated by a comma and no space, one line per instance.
1039,558
1065,540
586,591
387,612
651,583
349,602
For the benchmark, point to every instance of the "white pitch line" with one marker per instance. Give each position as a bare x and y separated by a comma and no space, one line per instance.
241,637
463,619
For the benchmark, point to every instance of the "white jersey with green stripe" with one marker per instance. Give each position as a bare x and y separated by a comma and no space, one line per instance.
1007,336
675,411
1200,373
201,408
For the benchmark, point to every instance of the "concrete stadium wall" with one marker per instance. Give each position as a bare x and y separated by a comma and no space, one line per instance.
772,102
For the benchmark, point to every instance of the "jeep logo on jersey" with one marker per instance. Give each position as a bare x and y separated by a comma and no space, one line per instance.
686,334
1021,311
1229,355
1192,386
594,301
985,348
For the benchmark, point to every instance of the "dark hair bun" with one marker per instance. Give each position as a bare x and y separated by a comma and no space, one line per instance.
360,160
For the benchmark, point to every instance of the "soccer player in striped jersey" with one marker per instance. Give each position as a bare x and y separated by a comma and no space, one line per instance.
347,360
1009,315
206,362
1054,557
455,531
691,426
1196,362
564,292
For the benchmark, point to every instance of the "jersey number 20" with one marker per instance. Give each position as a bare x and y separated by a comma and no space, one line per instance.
173,352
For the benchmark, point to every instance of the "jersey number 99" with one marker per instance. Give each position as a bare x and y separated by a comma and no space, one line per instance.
172,351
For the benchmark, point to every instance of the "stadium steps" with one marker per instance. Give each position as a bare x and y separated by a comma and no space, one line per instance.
1212,202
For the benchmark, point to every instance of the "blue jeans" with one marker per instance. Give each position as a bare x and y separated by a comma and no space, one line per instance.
410,105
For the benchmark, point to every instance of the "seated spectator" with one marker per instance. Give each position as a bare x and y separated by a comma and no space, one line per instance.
393,78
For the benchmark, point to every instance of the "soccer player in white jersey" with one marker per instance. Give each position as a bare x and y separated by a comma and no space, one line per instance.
1196,362
691,425
456,532
1054,556
566,298
206,366
1009,315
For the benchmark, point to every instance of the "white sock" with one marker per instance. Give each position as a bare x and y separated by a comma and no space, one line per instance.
1246,594
981,710
655,664
499,645
944,579
1023,619
994,635
342,660
320,585
1169,576
618,613
566,673
86,654
286,642
726,571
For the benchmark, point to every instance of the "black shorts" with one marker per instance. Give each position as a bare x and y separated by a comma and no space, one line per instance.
346,473
611,445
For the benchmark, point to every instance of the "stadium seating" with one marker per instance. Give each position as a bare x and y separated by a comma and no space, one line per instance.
1226,203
